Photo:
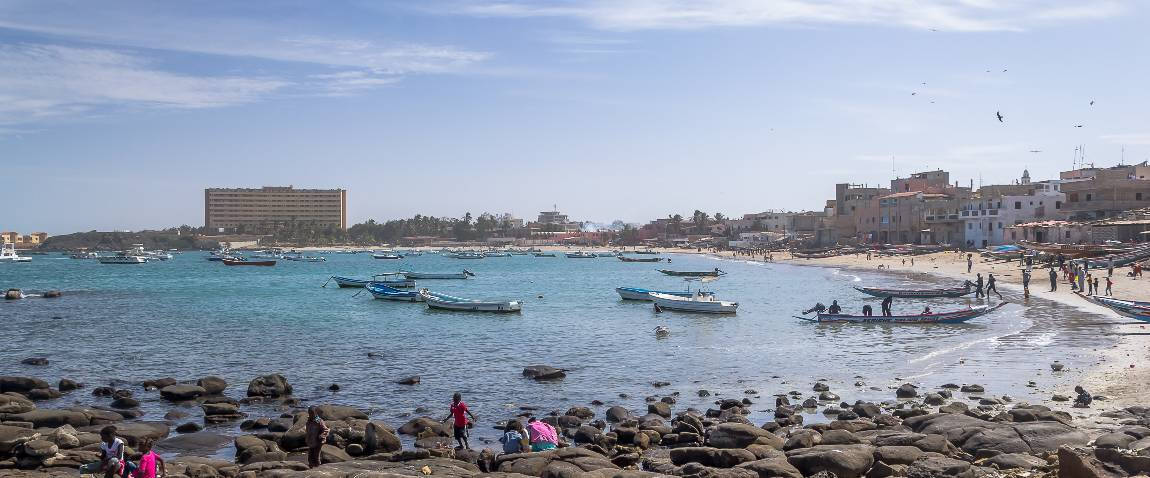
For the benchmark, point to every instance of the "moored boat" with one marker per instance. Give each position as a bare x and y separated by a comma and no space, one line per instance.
394,280
697,302
387,256
639,259
468,255
636,293
432,275
544,254
245,262
8,254
714,273
1127,308
954,317
917,293
580,255
496,254
122,258
380,291
447,302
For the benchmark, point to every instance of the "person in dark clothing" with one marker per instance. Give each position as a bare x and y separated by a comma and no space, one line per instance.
867,311
969,262
834,308
315,435
819,307
990,286
1053,280
886,303
978,287
1025,283
1096,289
1083,400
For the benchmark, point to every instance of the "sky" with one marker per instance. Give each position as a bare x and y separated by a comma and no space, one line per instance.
116,115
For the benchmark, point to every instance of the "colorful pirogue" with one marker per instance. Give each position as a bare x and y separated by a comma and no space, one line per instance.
917,293
955,317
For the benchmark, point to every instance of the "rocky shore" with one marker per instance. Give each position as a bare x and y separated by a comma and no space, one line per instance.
953,431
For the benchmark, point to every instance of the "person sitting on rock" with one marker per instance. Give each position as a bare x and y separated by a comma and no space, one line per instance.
514,438
543,436
151,465
112,460
1083,400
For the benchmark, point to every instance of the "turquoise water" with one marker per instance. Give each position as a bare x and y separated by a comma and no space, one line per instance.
189,317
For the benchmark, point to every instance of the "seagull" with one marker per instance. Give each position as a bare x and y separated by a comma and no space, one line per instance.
1004,70
1036,151
1091,102
913,93
999,113
1077,126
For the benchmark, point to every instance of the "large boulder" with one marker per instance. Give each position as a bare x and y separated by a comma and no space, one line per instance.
269,386
940,466
52,418
618,414
379,438
11,436
340,413
544,372
740,435
15,403
180,392
213,385
416,425
713,457
20,384
134,432
773,467
845,461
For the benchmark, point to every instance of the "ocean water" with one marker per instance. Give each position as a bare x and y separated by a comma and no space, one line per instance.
189,317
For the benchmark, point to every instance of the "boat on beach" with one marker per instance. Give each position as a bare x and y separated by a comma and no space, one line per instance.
580,255
952,292
697,302
434,275
447,302
714,273
1127,308
636,293
954,317
639,259
245,262
380,291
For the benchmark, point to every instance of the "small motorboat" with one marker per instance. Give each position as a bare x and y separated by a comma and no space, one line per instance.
635,293
469,255
714,273
8,254
394,280
245,262
380,291
697,302
606,254
648,251
917,293
639,259
443,301
302,258
123,258
954,317
496,254
387,256
544,254
430,275
581,255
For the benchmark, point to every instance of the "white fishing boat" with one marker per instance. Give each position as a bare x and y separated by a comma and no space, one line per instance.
636,293
496,254
606,254
433,275
8,254
123,258
469,255
387,256
581,255
447,302
85,255
699,302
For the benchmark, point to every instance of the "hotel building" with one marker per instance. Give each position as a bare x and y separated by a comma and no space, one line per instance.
267,209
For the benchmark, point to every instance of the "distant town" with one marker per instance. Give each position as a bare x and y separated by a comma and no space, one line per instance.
1084,205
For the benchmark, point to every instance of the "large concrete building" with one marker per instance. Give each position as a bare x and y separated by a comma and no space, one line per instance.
1098,193
270,208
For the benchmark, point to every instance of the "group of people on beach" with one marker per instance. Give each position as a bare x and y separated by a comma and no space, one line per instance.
114,461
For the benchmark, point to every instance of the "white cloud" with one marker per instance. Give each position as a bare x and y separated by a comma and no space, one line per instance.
352,81
947,15
43,81
1129,138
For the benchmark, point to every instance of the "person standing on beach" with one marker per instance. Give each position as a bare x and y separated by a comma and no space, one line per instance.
969,262
978,287
460,412
990,286
1096,291
1026,282
1109,283
1089,285
1081,280
1053,280
315,435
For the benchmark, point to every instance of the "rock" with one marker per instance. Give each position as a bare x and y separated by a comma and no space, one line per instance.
1114,440
11,436
40,449
740,435
618,414
379,438
20,384
933,399
828,397
839,437
212,385
586,434
189,427
544,372
417,425
125,402
159,383
193,444
1081,463
412,380
958,408
714,457
44,394
810,403
269,386
773,467
868,410
906,390
1007,461
659,408
845,461
133,432
67,385
939,466
340,413
52,418
897,454
821,387
583,413
972,388
14,404
179,393
802,439
37,361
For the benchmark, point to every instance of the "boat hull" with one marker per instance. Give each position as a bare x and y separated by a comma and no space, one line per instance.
640,259
380,291
232,262
916,293
943,318
425,275
687,304
714,273
446,302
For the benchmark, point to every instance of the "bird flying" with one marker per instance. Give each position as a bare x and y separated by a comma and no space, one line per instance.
999,114
1077,126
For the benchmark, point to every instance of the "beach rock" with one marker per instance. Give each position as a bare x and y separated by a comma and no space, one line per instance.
713,457
159,383
1008,461
897,454
867,410
958,408
416,425
179,393
340,413
583,413
972,388
839,437
845,461
44,394
906,390
269,386
412,380
212,385
802,439
380,438
125,402
772,467
821,387
67,385
659,408
52,418
544,372
133,432
36,361
193,444
11,436
40,449
939,466
828,397
14,403
20,384
740,435
933,399
617,414
189,427
1114,440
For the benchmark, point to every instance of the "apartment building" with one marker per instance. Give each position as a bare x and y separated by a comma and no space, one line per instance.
270,208
1099,193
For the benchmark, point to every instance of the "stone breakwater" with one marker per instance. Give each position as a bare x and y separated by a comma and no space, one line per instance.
918,433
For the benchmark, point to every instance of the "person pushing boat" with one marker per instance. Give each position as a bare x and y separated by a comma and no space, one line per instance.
886,303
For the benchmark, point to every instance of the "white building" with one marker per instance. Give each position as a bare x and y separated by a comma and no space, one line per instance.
986,216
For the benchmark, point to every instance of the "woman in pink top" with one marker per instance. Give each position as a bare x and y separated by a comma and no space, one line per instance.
151,465
543,435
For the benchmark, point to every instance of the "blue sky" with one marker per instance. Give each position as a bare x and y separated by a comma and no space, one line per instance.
116,115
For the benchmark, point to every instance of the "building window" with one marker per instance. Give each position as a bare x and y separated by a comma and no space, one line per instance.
1057,204
1018,204
1089,196
1000,225
1072,197
1137,196
1068,234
